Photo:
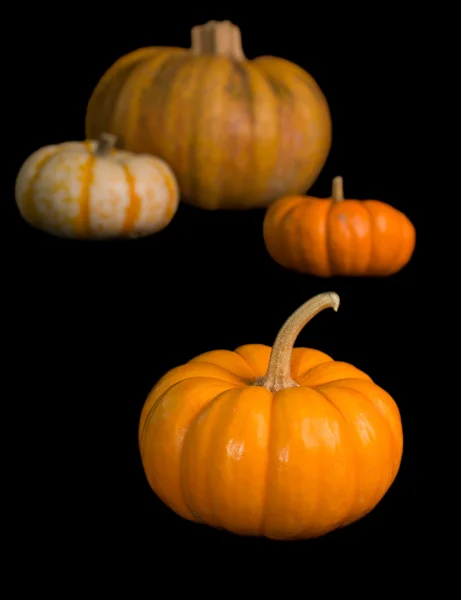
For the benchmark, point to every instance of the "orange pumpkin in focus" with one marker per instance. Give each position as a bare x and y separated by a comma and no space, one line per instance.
284,443
334,236
237,133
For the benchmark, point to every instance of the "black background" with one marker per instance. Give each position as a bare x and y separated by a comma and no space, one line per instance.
99,323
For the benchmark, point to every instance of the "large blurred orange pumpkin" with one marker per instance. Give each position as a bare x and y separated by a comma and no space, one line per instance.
274,442
334,236
238,133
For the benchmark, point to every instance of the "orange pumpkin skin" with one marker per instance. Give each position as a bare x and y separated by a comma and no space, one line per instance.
219,447
237,133
333,236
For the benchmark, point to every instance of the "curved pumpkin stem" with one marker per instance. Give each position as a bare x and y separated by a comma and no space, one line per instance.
337,192
106,144
278,375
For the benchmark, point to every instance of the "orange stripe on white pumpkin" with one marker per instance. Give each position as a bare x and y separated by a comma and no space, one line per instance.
156,189
134,205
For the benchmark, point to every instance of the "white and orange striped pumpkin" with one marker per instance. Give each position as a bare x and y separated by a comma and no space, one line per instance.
90,190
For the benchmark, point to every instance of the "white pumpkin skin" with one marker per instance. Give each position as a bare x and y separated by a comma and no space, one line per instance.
69,190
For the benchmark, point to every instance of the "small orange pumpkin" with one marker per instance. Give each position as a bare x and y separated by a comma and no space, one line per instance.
284,443
238,133
333,236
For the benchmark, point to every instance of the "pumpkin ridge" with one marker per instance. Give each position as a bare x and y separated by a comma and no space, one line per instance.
301,258
263,347
304,373
409,231
197,364
268,469
247,363
373,243
294,94
356,371
322,268
340,232
317,389
284,222
156,72
209,376
408,225
149,415
208,472
297,356
167,69
135,57
298,73
126,99
392,473
104,99
29,209
244,75
358,244
306,252
194,183
282,93
280,88
354,495
328,247
207,362
348,425
385,211
403,221
182,483
248,103
270,224
369,401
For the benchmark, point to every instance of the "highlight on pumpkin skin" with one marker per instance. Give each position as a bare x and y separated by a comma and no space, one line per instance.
224,123
338,237
279,442
91,190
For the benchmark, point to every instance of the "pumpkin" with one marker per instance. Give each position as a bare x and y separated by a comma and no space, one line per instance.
91,190
238,133
283,443
334,236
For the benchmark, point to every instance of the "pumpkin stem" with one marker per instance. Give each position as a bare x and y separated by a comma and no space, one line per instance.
337,189
218,38
106,144
278,374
